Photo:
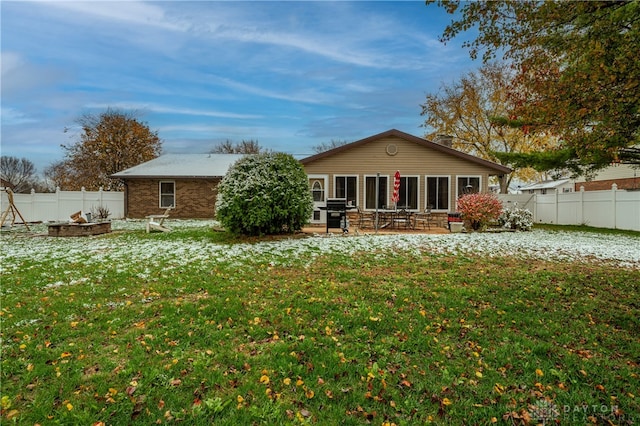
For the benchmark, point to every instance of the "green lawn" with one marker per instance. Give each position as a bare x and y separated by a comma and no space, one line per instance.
395,336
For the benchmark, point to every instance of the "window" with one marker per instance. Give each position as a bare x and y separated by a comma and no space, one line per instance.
468,185
370,201
167,194
409,192
346,188
317,191
438,192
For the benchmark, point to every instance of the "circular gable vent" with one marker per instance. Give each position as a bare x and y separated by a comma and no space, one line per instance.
392,149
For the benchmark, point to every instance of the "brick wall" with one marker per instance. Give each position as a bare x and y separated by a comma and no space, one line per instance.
195,198
603,185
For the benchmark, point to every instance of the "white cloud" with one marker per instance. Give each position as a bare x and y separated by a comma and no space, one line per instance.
129,12
11,116
161,109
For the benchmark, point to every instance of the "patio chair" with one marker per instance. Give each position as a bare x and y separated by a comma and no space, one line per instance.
156,221
402,218
365,219
424,218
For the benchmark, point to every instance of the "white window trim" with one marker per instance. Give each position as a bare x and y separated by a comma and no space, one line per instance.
426,186
480,187
335,187
417,189
386,202
160,194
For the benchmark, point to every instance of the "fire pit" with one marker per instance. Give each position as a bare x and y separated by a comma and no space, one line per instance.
79,229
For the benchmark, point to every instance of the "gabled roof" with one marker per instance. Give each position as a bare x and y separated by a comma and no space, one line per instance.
546,184
182,166
500,169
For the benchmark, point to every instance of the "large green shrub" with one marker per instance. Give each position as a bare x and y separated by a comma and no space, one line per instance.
264,194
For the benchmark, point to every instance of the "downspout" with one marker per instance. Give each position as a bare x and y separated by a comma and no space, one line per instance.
126,199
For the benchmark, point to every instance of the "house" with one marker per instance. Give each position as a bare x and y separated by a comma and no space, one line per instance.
431,174
625,176
548,187
186,182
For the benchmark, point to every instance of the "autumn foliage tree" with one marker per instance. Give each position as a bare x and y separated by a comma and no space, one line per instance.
466,110
578,73
109,142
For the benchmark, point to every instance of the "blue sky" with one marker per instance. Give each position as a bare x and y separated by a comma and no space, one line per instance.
289,74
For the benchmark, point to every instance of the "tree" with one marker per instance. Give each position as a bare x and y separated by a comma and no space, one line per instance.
264,194
109,142
578,74
466,110
19,172
244,147
326,146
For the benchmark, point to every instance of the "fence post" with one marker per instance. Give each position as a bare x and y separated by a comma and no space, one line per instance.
557,206
58,212
581,209
614,189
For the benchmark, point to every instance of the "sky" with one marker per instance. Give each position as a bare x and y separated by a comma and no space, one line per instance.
291,75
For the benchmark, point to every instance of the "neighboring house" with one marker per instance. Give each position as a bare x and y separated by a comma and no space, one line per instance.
548,187
432,174
623,175
186,182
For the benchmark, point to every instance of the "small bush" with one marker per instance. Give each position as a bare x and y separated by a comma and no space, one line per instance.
515,218
479,209
100,213
264,194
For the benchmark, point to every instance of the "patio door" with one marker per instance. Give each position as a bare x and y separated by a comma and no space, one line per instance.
318,187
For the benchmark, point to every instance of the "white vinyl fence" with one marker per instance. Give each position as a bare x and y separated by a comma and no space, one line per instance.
616,209
59,205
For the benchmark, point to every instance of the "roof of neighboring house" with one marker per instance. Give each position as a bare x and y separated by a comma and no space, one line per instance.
410,138
182,166
547,184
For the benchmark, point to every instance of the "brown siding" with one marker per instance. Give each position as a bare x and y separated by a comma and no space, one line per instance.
599,185
195,198
411,159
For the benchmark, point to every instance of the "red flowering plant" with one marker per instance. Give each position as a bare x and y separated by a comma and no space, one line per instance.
479,209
